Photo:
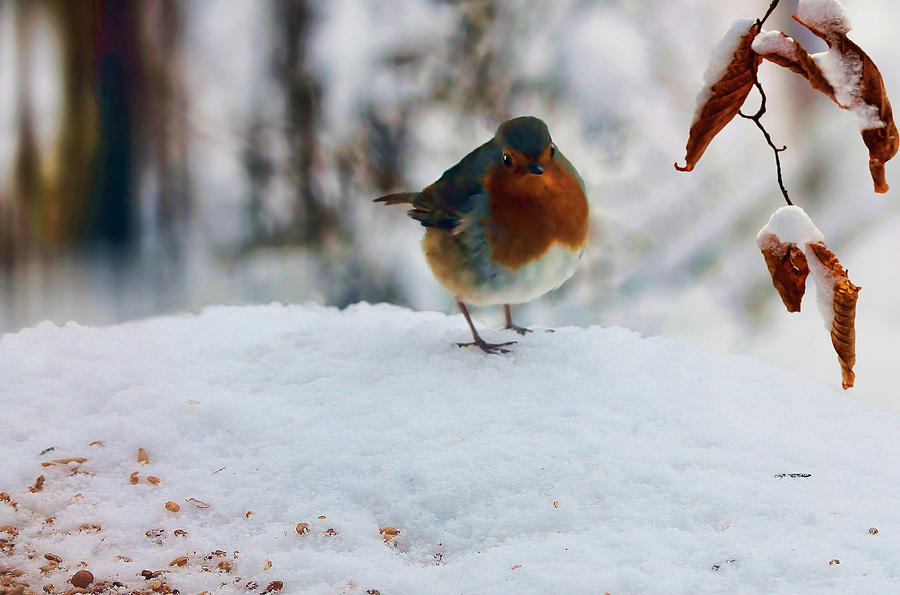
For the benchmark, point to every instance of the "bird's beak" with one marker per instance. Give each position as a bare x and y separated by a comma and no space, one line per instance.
536,168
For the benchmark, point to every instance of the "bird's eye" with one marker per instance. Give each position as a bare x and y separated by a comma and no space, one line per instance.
552,150
507,160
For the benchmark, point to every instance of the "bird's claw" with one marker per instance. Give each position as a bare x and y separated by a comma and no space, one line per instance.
493,348
519,329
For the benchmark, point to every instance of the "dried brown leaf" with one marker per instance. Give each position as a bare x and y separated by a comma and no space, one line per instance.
843,332
883,141
798,60
727,96
789,269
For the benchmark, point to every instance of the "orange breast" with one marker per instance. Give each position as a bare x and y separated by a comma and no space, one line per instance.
530,213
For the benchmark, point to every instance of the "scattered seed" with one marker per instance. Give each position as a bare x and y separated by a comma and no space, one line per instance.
196,503
303,528
389,533
152,479
96,443
4,497
516,567
225,565
322,517
274,586
268,564
46,450
78,460
834,562
133,478
38,485
123,558
717,567
155,533
82,578
9,530
247,515
53,558
48,588
556,504
89,527
873,531
331,532
181,532
252,586
172,506
179,561
142,456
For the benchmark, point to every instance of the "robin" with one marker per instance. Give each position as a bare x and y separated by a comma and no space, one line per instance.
505,225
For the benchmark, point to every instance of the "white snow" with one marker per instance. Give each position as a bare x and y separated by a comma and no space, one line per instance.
790,224
590,460
844,73
719,59
824,15
775,42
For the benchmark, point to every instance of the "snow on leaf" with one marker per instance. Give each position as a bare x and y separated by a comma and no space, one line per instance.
794,249
857,82
777,47
844,296
729,77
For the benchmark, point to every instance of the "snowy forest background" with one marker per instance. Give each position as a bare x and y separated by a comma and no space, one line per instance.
160,156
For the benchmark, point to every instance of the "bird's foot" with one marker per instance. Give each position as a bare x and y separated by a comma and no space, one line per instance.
519,329
488,347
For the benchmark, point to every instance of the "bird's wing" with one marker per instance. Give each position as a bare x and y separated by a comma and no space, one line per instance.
448,202
567,165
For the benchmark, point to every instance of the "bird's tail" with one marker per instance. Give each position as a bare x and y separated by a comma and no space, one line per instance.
401,198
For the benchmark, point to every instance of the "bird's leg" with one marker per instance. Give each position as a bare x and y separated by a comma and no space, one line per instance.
509,323
486,347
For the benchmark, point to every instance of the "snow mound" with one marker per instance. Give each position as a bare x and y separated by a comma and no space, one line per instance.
775,42
587,461
790,224
824,15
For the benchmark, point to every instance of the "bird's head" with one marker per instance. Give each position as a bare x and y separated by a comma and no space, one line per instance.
526,146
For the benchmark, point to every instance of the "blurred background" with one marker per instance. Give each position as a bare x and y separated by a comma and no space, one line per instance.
163,155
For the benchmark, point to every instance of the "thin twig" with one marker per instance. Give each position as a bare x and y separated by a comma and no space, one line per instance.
759,22
757,117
